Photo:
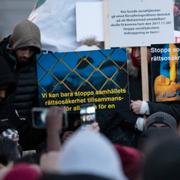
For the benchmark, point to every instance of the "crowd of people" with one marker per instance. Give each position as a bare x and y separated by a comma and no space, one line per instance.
141,143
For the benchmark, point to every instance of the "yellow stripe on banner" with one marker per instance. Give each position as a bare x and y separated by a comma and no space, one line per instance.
173,62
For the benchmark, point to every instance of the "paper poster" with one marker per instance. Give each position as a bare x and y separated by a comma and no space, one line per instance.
140,22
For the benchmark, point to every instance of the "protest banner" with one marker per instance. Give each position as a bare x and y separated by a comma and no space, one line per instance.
166,72
76,78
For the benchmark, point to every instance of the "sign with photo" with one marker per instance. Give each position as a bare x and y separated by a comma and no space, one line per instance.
166,72
76,78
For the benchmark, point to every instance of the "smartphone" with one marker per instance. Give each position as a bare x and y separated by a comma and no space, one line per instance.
39,118
88,114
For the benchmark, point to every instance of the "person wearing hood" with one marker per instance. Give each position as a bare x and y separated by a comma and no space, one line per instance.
19,50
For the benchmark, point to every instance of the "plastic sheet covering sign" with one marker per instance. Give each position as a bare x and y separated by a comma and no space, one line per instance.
59,17
72,79
166,72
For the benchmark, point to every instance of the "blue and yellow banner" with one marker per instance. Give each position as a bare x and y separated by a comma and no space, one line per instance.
76,78
166,72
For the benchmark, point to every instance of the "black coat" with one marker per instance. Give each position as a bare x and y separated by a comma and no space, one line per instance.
8,115
24,97
25,94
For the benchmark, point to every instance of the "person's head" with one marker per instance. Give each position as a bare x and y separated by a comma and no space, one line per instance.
136,56
158,127
131,161
161,120
25,40
23,171
7,81
176,22
89,152
163,161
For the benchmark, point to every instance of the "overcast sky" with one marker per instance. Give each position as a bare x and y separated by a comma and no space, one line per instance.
12,12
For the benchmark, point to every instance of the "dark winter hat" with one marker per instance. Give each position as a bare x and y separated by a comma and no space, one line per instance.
6,76
25,34
161,117
152,135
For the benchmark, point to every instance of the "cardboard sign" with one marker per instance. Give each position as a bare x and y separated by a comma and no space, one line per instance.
140,22
76,78
166,72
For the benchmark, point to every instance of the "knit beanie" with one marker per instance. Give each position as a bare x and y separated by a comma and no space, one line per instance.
131,160
162,117
89,152
23,172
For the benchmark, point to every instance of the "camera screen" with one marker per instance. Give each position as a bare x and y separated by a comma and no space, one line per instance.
39,117
88,114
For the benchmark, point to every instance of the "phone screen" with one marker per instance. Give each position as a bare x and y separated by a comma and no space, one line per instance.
88,114
39,117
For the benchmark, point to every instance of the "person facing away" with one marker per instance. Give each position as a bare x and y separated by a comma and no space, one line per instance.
162,162
19,50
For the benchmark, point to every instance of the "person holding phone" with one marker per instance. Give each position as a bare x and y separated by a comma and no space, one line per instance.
54,123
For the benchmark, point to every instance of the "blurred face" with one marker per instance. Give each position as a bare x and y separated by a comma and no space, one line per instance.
2,94
24,54
136,56
159,125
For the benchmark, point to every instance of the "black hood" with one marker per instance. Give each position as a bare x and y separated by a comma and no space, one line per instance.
7,77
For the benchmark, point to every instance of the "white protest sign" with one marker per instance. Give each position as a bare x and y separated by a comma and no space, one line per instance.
89,21
140,22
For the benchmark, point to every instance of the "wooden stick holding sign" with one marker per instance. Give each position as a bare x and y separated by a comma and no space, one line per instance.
144,74
106,24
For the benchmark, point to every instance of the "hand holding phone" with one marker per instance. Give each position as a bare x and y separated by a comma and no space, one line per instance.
55,118
51,118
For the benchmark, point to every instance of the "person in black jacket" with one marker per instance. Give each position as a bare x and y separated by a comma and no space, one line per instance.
19,50
9,119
